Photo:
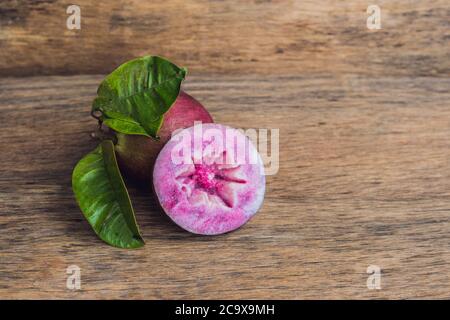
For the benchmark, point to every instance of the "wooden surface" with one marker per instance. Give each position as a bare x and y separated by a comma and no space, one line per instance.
364,179
364,121
227,36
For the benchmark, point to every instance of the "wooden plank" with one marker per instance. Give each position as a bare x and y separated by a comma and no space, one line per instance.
364,180
241,37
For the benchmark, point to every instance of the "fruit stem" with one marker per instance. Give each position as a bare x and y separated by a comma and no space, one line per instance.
104,133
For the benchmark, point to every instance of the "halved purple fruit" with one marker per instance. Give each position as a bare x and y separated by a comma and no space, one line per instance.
209,179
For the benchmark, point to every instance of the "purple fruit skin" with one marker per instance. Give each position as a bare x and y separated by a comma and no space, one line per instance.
200,198
136,154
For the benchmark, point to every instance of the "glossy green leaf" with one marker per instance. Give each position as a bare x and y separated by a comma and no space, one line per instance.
135,96
103,198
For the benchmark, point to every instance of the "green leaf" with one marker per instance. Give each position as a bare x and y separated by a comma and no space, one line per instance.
135,96
103,198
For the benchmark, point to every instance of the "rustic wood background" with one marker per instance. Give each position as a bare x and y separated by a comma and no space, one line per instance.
364,121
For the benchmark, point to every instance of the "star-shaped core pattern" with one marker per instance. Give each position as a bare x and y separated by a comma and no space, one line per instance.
211,183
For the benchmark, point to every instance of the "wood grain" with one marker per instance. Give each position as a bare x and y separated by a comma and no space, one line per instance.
240,37
364,179
364,121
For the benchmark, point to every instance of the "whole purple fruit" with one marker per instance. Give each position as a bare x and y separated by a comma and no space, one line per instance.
136,154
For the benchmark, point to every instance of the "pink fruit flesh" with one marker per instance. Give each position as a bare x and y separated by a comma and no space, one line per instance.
207,193
137,154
